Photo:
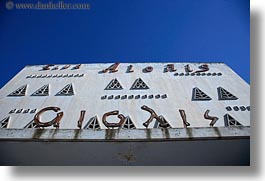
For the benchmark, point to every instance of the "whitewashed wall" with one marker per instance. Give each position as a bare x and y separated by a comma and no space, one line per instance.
89,89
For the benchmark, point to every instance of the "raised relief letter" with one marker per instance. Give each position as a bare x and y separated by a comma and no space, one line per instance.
153,116
55,122
148,69
112,125
81,119
130,69
214,119
204,68
184,119
112,68
77,67
170,68
47,67
65,67
187,68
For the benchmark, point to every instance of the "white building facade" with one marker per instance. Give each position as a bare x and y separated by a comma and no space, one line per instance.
127,103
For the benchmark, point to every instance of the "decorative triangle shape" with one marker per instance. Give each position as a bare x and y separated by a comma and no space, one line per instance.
31,124
198,95
43,91
139,84
114,85
225,95
68,90
230,121
157,124
21,91
92,124
4,123
128,124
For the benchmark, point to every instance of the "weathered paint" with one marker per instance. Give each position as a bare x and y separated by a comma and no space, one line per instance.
90,87
125,135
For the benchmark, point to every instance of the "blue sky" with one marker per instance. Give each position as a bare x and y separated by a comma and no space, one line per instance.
127,31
